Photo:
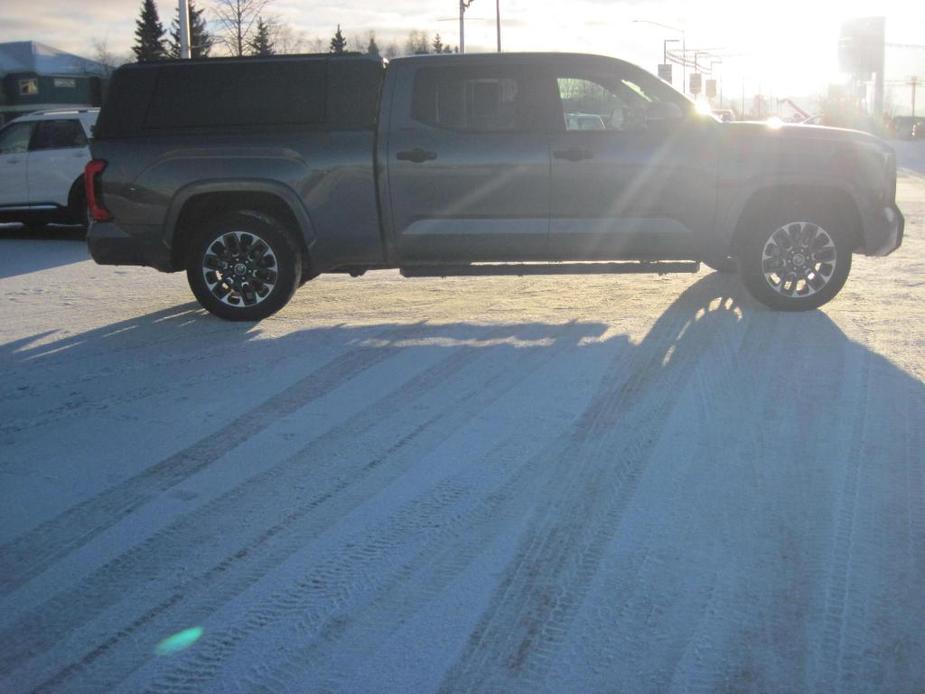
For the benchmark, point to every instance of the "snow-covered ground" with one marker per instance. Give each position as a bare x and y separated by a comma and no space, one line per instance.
550,484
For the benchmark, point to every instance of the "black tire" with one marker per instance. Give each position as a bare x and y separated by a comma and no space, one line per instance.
239,256
796,258
78,213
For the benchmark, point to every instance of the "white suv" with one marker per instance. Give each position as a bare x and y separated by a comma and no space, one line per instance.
42,158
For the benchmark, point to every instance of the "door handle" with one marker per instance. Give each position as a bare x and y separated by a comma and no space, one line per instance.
573,154
417,155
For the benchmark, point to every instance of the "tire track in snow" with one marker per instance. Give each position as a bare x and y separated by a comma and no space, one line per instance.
840,565
334,582
882,628
641,601
529,618
32,553
767,638
322,654
179,543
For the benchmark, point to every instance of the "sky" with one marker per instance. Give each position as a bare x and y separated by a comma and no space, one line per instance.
779,48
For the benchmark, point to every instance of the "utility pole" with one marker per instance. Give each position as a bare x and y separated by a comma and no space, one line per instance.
185,53
914,83
714,63
463,6
498,17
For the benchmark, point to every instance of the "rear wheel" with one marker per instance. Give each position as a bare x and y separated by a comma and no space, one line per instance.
798,262
244,267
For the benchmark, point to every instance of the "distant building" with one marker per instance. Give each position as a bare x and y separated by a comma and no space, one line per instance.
35,77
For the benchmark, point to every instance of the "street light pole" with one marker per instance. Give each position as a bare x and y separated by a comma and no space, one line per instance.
185,53
498,17
665,43
462,26
683,45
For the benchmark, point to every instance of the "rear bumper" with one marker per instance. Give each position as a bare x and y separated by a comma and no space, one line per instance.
111,244
883,230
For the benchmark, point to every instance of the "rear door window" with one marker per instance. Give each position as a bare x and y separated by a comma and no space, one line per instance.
58,134
477,100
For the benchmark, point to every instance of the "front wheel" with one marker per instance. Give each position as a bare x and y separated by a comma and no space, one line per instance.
797,263
244,267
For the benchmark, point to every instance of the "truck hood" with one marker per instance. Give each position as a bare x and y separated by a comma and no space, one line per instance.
758,131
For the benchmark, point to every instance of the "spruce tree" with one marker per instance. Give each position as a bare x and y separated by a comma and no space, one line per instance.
200,40
437,45
261,43
338,43
149,34
373,47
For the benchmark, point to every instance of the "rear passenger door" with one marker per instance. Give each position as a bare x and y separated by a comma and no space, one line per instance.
57,157
469,164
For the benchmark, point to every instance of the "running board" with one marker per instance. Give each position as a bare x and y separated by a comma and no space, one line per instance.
524,269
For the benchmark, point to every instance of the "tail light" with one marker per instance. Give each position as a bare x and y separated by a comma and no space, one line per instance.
91,181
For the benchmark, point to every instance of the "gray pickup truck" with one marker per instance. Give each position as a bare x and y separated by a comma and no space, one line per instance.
256,175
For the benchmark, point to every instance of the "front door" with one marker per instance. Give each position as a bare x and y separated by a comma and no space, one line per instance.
468,165
633,170
14,145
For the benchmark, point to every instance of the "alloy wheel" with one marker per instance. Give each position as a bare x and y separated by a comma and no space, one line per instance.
240,269
799,259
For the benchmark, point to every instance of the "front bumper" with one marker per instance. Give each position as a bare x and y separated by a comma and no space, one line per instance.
111,244
883,230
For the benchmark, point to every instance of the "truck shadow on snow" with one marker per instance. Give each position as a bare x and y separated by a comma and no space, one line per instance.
49,247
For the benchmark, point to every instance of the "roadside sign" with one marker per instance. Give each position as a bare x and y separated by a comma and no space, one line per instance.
696,83
711,89
664,72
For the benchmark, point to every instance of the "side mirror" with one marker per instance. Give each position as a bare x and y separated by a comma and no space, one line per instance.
662,113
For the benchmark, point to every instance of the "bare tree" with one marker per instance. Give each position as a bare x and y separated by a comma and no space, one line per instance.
237,20
417,43
108,60
316,45
286,40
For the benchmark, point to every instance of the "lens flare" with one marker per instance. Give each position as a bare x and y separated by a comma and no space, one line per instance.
179,641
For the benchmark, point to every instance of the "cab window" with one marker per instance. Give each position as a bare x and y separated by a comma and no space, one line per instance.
615,103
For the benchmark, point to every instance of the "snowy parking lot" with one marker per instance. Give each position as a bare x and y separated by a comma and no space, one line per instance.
562,484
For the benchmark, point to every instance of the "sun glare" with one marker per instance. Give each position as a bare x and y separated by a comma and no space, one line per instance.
179,641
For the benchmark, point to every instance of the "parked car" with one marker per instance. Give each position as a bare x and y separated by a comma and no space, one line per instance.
255,175
904,126
726,115
42,158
